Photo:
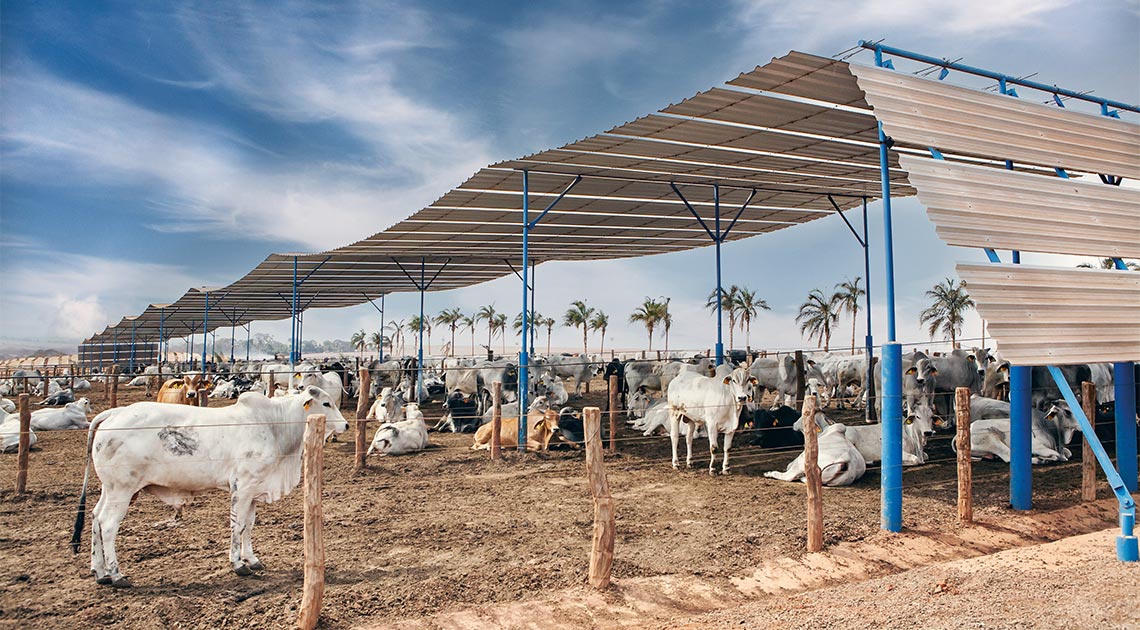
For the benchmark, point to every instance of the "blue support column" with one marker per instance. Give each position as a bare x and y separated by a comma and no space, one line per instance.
131,363
115,357
233,340
205,329
161,337
293,319
1124,377
524,359
248,331
420,356
891,401
719,290
381,327
870,342
1021,437
891,518
533,309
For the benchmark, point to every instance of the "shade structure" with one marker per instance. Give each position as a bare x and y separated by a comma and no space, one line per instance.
781,145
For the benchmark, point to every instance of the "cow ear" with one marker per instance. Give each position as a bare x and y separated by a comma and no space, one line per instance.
934,371
754,380
727,380
910,420
912,370
971,358
1051,415
314,392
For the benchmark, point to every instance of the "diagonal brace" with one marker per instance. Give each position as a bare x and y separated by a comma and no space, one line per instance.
530,226
724,233
714,237
844,217
529,286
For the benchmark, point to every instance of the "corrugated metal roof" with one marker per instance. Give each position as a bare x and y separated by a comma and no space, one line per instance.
928,113
787,134
975,206
1053,316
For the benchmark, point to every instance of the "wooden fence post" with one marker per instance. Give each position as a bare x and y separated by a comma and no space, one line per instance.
602,550
614,397
24,445
965,468
799,379
812,476
496,420
272,384
313,589
114,386
362,418
1088,459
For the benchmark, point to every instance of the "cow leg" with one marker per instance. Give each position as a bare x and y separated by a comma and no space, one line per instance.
98,561
241,517
247,540
712,446
794,471
689,445
674,433
727,445
112,508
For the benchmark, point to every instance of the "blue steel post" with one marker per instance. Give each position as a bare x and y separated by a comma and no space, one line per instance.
205,329
1124,377
134,325
233,339
248,330
532,325
891,481
870,342
115,357
420,355
381,327
1020,437
524,359
719,290
293,319
161,336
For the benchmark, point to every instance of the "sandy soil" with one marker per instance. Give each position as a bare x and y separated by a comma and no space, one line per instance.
447,529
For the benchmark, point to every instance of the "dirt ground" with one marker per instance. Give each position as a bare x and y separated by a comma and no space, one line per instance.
447,529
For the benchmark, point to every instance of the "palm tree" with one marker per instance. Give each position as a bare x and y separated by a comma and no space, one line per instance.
666,321
817,317
450,318
549,322
397,333
377,340
500,324
599,322
469,323
650,313
849,293
947,313
578,315
487,313
747,305
1108,263
413,328
359,341
727,305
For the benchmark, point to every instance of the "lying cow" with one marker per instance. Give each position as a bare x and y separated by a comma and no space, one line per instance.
7,405
551,386
541,426
251,448
72,416
774,429
460,413
388,406
185,390
10,434
840,463
657,417
715,403
61,397
1051,433
403,437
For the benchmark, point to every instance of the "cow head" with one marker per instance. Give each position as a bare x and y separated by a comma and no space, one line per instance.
84,405
924,373
1064,422
638,403
923,419
316,400
541,403
821,422
194,384
995,379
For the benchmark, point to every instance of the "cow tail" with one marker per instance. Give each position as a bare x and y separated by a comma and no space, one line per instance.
81,511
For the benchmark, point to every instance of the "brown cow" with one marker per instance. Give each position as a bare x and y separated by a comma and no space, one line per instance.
540,428
184,391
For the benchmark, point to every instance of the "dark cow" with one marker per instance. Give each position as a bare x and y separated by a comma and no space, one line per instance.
460,414
773,428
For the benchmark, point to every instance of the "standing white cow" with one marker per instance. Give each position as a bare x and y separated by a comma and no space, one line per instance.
401,438
251,448
329,381
713,402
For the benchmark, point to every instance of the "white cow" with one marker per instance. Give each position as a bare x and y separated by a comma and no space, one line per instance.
553,388
70,416
1102,377
251,448
1051,432
401,438
713,402
329,381
7,406
779,375
580,367
868,439
656,416
224,389
81,385
388,407
10,433
840,463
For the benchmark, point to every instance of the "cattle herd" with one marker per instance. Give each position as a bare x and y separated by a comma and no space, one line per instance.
175,447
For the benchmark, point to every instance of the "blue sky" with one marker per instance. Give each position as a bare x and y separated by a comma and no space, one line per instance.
149,147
